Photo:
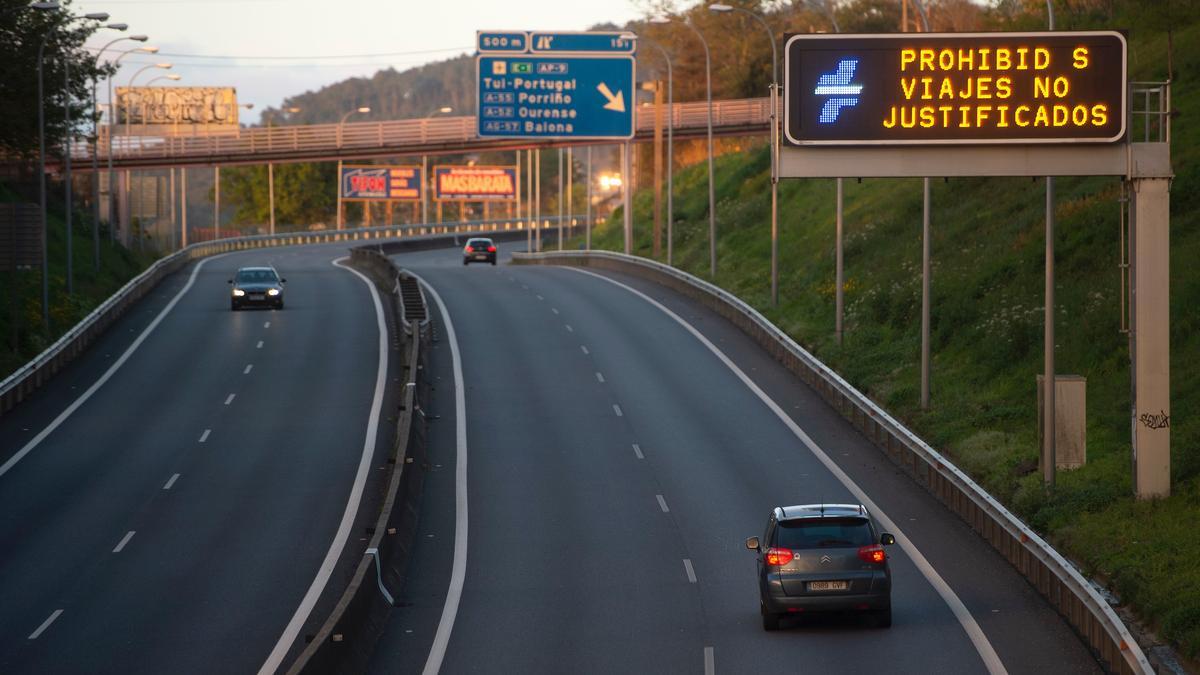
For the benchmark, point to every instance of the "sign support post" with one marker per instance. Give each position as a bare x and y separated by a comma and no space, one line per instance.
925,271
839,280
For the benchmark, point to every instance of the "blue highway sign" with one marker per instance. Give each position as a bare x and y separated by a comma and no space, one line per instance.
586,43
542,96
502,41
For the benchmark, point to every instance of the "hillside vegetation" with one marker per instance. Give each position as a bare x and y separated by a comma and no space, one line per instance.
987,315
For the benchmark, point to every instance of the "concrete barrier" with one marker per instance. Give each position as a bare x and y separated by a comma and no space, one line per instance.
1045,568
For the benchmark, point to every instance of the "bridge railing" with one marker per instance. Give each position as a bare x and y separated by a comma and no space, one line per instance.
193,143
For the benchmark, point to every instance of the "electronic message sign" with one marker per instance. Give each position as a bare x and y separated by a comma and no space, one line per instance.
475,183
963,88
381,183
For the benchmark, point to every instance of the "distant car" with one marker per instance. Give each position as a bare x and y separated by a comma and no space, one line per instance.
823,557
261,286
479,249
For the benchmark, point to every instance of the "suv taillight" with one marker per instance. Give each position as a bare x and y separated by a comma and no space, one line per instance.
777,556
468,249
491,249
872,554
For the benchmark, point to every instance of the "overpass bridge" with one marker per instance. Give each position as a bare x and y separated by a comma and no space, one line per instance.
391,138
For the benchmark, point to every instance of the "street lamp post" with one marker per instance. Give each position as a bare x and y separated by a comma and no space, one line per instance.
341,123
95,153
425,167
43,6
171,76
271,169
723,8
112,121
712,197
128,173
670,149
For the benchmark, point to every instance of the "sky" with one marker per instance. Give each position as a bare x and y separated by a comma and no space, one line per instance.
243,43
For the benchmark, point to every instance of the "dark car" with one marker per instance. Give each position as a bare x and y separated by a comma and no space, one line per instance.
479,249
256,286
820,558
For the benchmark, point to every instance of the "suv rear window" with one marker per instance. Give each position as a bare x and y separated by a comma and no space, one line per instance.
479,242
823,533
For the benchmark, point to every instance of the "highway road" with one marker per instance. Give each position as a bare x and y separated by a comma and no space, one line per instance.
175,521
620,443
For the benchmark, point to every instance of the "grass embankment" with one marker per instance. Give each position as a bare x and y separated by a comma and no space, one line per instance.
988,256
91,287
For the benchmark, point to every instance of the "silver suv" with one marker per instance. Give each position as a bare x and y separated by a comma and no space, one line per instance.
823,557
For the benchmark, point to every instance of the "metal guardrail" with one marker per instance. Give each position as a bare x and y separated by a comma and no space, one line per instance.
397,137
1045,568
30,377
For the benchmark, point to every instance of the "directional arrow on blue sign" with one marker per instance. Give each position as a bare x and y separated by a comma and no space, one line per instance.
545,96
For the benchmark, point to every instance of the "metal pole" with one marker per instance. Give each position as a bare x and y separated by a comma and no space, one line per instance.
42,186
1049,451
67,174
216,202
712,197
271,193
670,165
529,200
339,194
774,191
424,188
560,197
837,329
537,198
95,179
183,232
112,202
627,190
925,271
570,187
1048,421
173,218
588,221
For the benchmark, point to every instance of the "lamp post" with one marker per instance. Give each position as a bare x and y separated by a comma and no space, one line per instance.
43,6
712,198
341,123
171,76
271,168
425,167
128,174
774,98
670,147
67,180
95,153
112,121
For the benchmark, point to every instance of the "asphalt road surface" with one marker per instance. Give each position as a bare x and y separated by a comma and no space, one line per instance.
174,522
615,465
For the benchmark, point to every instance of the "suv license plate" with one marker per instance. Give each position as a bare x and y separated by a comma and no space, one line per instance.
828,585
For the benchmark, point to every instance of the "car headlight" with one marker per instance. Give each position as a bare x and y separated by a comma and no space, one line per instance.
237,292
273,291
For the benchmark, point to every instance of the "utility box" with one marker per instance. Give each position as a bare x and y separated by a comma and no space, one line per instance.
1070,418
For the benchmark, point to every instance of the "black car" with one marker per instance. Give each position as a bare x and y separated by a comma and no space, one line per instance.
479,249
256,286
823,557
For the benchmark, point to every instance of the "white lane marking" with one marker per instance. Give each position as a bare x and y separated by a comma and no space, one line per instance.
662,503
554,310
710,664
45,624
458,572
584,349
259,345
540,298
599,378
617,409
230,399
62,417
124,540
204,436
275,659
982,645
637,450
266,324
687,566
171,482
248,368
569,329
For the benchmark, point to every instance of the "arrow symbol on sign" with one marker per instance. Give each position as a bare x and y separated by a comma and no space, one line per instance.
615,102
